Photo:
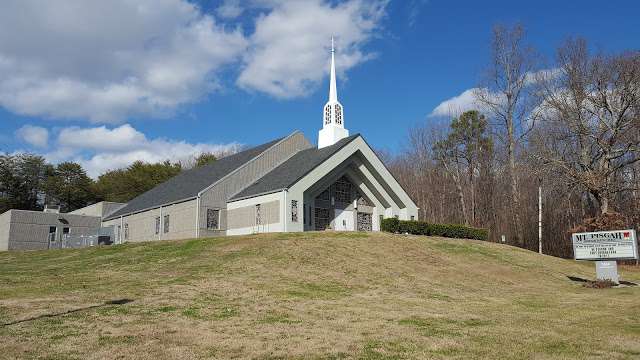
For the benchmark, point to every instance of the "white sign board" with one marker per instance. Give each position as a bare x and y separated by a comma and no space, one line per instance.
605,245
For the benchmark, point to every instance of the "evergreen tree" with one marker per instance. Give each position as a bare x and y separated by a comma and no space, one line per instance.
70,186
122,185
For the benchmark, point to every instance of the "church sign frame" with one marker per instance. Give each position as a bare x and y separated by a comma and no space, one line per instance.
605,245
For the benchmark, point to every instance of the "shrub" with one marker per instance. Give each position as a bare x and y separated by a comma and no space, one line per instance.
394,225
390,225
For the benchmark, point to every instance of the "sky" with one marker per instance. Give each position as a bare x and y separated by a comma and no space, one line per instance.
105,83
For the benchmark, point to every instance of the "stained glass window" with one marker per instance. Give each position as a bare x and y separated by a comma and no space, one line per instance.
343,190
213,219
294,210
258,215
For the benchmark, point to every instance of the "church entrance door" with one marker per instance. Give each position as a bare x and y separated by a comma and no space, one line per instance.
344,220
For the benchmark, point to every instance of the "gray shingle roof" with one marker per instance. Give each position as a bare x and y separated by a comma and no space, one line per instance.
189,183
292,170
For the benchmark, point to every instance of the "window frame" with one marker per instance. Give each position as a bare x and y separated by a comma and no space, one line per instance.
157,225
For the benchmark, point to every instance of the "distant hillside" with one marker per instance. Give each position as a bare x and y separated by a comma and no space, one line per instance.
311,296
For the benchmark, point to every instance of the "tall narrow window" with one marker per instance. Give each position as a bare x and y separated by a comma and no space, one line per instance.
294,210
338,114
327,114
157,225
166,224
126,231
258,215
213,219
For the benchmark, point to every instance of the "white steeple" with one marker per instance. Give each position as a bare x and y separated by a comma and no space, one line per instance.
333,116
333,92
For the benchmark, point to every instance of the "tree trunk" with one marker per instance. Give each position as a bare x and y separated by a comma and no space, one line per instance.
604,205
473,195
515,196
463,206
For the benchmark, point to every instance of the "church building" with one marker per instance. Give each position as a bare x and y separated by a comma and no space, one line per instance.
285,185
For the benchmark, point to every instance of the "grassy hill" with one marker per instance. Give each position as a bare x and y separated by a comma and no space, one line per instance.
312,296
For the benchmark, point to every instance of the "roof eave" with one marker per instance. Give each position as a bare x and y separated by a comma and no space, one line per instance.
257,195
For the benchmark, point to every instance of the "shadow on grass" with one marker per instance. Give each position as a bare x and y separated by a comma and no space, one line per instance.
582,280
106,303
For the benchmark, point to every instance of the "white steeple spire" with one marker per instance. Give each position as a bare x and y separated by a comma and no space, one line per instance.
333,92
333,117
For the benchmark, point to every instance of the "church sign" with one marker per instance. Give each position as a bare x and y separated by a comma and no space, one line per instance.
605,245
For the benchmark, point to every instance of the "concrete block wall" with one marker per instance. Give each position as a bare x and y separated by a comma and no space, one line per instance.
241,215
142,226
5,221
29,230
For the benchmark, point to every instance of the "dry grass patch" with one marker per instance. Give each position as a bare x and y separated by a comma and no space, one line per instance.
311,296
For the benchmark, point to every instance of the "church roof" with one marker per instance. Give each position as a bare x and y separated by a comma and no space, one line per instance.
292,170
189,183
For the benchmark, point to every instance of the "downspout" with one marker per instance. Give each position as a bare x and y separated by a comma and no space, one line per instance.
198,217
284,210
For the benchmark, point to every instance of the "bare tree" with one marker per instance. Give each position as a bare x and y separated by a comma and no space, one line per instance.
504,95
585,144
591,115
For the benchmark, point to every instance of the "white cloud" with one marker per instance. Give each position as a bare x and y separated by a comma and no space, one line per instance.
415,8
121,138
467,99
230,9
288,56
542,75
458,104
99,149
34,135
109,60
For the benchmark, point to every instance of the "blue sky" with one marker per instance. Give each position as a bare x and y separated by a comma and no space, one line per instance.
105,84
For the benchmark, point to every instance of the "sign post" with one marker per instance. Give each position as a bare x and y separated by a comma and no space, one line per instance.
605,247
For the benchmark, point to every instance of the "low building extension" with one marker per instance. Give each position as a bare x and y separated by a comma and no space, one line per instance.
38,230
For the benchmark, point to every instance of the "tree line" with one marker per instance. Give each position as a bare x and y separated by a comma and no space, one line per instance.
28,181
571,127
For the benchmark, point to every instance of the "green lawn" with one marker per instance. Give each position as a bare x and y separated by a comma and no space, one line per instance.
311,296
